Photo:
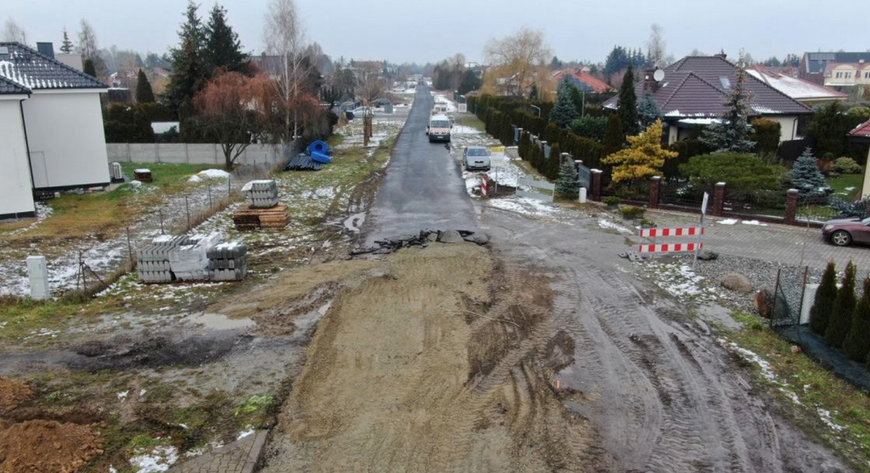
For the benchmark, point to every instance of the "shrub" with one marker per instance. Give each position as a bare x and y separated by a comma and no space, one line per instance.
568,185
611,200
820,313
847,209
645,222
845,165
632,212
841,313
765,134
858,342
590,127
743,173
806,177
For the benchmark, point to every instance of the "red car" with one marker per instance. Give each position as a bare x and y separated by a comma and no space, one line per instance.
844,232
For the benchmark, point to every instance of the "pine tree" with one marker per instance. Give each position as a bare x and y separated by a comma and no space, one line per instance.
66,46
144,94
644,157
627,104
187,68
731,132
844,307
614,136
820,313
568,184
648,111
806,177
89,68
553,162
564,112
533,93
525,145
858,341
222,47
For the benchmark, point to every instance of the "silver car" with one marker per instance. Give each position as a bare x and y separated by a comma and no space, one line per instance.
476,158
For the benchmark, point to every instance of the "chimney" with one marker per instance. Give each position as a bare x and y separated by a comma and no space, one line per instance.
649,83
721,54
46,49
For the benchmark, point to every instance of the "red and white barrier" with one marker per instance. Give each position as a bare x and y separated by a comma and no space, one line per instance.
484,182
669,247
671,232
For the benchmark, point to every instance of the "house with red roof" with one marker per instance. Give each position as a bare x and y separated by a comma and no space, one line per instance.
692,92
861,134
583,80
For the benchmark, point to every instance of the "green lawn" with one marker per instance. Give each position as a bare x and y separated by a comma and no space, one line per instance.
471,120
844,182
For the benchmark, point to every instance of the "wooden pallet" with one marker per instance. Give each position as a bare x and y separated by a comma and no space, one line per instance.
247,218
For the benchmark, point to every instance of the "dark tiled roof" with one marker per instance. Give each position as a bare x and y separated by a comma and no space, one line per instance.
7,87
816,62
697,86
29,68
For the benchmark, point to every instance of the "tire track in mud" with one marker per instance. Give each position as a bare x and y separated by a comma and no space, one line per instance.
663,395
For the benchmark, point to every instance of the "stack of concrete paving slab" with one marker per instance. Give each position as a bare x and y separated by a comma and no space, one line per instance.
153,260
228,261
263,194
189,260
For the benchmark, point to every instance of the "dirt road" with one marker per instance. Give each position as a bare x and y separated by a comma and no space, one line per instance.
663,395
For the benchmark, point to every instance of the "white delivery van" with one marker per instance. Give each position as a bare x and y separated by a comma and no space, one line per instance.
439,128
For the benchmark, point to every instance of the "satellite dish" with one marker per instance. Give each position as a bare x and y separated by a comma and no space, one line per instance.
659,75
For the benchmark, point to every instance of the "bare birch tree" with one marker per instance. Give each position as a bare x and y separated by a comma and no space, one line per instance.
87,40
12,31
285,38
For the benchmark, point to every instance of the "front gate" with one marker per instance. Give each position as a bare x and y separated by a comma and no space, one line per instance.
584,176
534,189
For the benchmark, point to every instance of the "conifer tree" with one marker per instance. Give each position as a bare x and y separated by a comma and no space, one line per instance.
844,307
553,162
222,48
144,94
525,145
568,184
614,136
648,111
188,75
858,341
806,177
820,313
66,46
565,111
644,157
89,68
627,104
731,132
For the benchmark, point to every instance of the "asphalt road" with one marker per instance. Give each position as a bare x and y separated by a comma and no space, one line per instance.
423,187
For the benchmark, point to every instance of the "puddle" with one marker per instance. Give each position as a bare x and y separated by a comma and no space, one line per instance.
221,322
355,222
717,313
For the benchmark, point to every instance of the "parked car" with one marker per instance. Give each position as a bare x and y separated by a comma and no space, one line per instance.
476,158
844,232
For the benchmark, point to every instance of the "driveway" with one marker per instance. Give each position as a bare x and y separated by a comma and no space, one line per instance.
423,186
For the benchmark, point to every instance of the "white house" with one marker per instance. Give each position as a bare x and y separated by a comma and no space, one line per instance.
61,124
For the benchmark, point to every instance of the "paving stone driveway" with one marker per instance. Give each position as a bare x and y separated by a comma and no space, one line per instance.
238,457
777,243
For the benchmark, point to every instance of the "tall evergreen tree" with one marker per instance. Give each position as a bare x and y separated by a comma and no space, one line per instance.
222,47
844,307
565,111
627,104
731,132
568,184
820,313
144,93
66,46
533,93
89,68
188,72
858,341
806,177
525,145
648,111
614,136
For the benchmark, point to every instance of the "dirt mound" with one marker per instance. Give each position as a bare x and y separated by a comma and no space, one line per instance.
40,446
12,394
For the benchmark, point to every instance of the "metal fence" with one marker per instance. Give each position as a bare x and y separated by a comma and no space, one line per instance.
681,194
534,189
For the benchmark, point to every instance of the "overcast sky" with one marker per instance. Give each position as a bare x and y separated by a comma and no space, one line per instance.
418,31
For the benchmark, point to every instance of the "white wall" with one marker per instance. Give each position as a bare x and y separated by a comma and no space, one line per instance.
189,153
67,142
16,195
787,125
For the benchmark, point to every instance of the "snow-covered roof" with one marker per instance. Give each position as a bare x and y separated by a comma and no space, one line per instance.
796,88
33,70
9,87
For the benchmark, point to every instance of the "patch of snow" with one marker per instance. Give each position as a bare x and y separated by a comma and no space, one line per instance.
209,174
753,222
123,395
194,178
525,206
825,415
608,225
136,184
245,433
157,461
730,221
464,130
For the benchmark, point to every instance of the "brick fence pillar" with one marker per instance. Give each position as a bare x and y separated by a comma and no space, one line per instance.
655,187
791,203
718,199
596,185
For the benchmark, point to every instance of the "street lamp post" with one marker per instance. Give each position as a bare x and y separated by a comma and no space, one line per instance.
536,108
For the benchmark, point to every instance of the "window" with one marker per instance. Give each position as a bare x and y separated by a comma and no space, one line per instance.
726,83
867,75
848,75
839,75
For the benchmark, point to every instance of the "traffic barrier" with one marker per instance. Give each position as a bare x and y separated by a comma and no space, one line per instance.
484,180
671,232
669,247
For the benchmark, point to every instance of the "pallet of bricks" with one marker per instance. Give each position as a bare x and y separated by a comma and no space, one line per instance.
263,211
191,258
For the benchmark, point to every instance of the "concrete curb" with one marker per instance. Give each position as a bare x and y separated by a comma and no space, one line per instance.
240,456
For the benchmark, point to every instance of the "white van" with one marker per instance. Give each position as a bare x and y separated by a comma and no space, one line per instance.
439,128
